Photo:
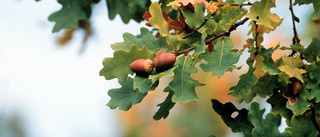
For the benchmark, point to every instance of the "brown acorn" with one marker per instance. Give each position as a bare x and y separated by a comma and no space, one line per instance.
142,67
296,85
164,61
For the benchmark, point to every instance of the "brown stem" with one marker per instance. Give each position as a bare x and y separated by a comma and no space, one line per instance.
313,118
235,4
186,51
227,33
295,39
195,30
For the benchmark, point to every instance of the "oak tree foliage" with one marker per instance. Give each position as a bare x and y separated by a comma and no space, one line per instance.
197,33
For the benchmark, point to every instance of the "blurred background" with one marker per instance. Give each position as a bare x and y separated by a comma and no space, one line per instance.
51,87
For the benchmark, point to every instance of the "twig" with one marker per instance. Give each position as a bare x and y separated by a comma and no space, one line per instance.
295,39
313,117
186,51
235,4
256,38
227,33
195,30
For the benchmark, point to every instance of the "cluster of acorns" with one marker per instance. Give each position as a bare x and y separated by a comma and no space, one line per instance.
144,67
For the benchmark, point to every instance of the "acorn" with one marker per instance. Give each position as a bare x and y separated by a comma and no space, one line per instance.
296,85
203,3
164,61
142,67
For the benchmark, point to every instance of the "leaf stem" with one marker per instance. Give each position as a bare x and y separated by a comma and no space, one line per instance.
227,33
195,30
313,118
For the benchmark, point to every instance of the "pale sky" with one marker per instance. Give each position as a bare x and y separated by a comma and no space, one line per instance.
57,91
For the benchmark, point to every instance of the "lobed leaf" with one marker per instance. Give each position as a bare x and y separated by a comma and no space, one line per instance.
143,84
125,96
182,84
157,20
195,18
222,58
302,104
69,15
291,66
127,10
313,50
147,39
260,12
302,127
267,127
239,123
245,83
165,106
119,65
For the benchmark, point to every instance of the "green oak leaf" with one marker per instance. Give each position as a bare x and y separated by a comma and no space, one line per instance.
143,84
151,42
264,87
260,12
283,77
245,83
278,104
165,106
302,127
291,67
315,91
239,123
268,67
231,15
313,50
239,1
127,9
313,71
267,127
195,18
155,77
302,104
69,15
173,42
199,49
157,20
222,58
119,65
182,84
125,96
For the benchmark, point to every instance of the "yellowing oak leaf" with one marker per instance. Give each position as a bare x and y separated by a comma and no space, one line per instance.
157,20
291,67
260,12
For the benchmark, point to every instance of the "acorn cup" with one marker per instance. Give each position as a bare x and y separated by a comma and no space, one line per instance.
164,61
142,67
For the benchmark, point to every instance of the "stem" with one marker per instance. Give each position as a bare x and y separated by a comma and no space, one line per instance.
313,117
186,51
195,30
295,39
227,33
235,4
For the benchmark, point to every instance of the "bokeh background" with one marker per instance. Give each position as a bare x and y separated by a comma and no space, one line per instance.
49,90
